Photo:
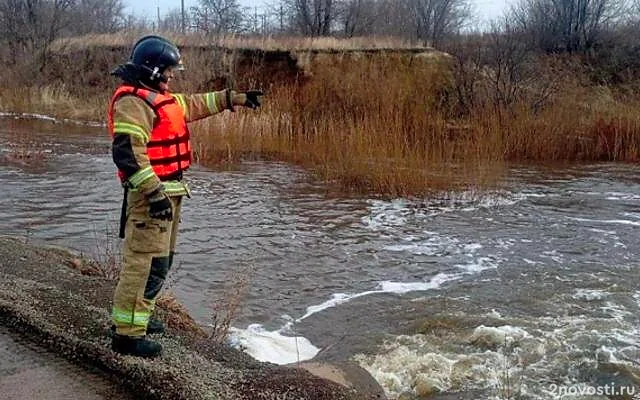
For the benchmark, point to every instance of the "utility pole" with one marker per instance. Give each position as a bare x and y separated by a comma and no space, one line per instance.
183,20
158,9
255,20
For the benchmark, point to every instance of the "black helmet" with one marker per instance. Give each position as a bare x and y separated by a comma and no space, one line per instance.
150,57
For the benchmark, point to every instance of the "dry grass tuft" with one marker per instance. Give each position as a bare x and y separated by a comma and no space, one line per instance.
225,309
108,261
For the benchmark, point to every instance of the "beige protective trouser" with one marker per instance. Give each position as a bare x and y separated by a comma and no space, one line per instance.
149,245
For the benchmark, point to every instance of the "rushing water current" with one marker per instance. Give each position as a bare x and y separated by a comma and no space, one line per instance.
529,291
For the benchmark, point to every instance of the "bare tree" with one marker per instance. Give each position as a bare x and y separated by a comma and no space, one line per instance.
566,25
132,22
430,21
172,21
312,17
395,18
30,26
427,20
218,16
507,58
358,17
435,19
97,16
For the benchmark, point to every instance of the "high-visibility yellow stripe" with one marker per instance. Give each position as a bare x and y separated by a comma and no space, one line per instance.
181,101
137,134
172,188
211,102
141,176
126,128
130,317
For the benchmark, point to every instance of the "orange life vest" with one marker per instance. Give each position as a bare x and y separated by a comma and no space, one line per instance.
169,147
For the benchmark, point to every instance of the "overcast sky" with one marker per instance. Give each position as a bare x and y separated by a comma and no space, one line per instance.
485,9
149,7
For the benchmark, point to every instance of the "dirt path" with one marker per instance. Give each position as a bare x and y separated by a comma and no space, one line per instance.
29,372
45,299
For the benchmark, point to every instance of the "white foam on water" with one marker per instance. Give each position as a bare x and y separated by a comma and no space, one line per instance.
406,370
604,231
530,355
438,245
390,214
554,255
434,244
384,214
472,247
616,311
537,195
43,117
606,221
280,348
636,297
622,196
498,335
478,265
589,294
412,365
632,214
272,346
28,115
383,287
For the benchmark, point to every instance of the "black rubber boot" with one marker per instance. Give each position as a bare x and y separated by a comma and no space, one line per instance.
138,346
155,327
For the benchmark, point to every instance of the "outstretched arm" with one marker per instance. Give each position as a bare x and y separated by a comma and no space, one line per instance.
202,105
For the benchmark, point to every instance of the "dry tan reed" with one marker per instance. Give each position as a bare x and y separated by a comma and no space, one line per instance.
53,100
283,43
371,122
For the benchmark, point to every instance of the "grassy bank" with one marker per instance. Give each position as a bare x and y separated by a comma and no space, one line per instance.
387,122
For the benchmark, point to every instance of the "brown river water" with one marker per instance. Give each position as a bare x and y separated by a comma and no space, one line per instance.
529,291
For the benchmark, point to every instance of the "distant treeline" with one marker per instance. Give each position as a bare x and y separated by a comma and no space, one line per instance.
550,25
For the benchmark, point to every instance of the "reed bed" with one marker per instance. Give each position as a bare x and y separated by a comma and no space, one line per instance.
53,100
369,125
385,123
384,126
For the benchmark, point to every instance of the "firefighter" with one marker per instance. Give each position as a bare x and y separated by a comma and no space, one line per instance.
152,149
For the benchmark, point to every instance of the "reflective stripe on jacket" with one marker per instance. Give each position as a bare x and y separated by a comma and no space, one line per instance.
169,146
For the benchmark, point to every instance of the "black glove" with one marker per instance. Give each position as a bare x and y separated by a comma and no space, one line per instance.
160,206
253,101
246,99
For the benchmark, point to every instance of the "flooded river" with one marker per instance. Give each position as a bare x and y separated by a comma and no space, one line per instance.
530,291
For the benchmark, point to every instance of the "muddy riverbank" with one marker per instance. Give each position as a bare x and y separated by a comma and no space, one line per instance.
45,298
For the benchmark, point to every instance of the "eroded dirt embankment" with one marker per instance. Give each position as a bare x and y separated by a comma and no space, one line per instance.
84,71
67,312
